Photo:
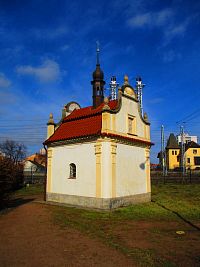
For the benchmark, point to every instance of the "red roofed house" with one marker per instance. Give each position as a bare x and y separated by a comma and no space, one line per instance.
35,168
98,156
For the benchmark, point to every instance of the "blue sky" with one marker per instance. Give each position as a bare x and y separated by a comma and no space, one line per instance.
47,56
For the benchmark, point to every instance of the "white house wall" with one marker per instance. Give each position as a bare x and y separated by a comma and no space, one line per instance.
29,166
84,157
131,174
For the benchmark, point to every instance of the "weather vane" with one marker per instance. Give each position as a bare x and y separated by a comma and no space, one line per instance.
98,50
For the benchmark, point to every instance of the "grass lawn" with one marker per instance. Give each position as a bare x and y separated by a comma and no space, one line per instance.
147,233
183,199
32,189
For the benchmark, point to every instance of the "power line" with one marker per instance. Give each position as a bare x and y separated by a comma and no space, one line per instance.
186,117
40,119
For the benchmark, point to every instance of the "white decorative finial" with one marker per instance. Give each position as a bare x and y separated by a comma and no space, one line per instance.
113,88
139,89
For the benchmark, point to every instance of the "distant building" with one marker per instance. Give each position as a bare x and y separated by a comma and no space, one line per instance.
35,168
172,151
192,155
173,154
186,138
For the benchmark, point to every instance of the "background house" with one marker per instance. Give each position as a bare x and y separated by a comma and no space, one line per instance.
192,156
173,154
186,138
35,168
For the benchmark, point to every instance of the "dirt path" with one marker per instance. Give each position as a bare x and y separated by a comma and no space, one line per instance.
28,237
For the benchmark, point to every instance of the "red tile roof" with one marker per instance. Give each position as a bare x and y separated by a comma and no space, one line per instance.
77,128
82,122
89,111
86,122
37,158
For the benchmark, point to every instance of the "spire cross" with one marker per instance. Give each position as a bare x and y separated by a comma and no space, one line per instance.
98,50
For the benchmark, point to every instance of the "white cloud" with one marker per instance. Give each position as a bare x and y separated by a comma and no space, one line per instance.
50,33
156,100
164,20
140,20
4,82
49,71
151,19
170,56
7,98
13,51
176,30
127,7
64,48
162,17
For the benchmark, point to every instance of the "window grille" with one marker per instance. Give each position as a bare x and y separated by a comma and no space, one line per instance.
72,170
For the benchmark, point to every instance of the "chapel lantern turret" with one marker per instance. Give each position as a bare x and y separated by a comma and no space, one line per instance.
98,83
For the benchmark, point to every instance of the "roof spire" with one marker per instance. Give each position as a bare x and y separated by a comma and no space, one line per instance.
98,51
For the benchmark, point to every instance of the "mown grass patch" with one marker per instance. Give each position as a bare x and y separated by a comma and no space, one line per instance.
103,224
32,189
181,198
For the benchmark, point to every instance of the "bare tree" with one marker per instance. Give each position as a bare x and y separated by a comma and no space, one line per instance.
11,169
13,150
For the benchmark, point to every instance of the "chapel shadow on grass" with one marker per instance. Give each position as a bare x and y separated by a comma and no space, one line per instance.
14,203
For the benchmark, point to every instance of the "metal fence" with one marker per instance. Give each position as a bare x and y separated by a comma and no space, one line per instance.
191,176
34,177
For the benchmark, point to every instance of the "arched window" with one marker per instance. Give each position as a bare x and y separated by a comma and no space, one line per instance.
72,171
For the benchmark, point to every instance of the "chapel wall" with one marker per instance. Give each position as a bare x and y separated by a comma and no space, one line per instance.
129,107
131,170
83,156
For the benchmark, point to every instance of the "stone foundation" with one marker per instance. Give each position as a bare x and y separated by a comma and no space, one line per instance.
98,203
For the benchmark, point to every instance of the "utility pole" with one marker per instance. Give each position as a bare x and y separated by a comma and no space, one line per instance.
162,149
182,150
